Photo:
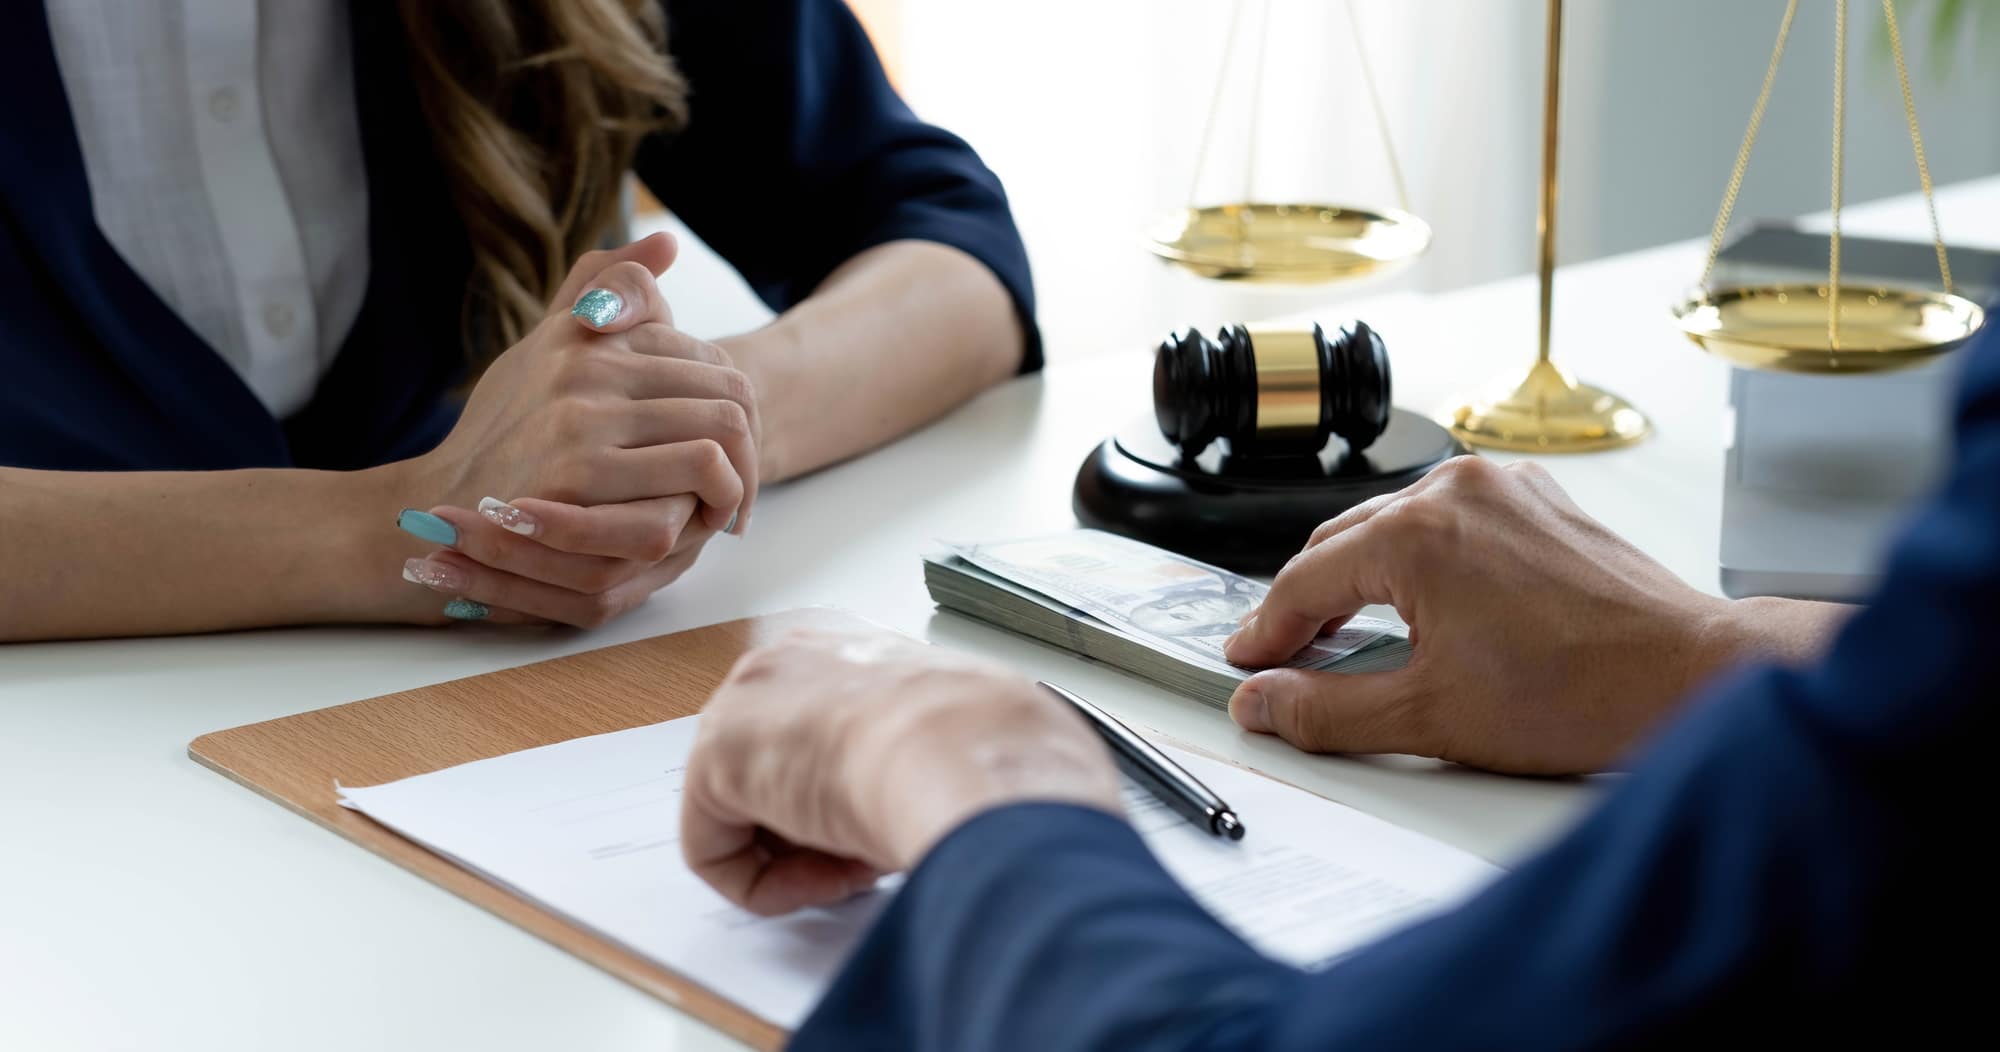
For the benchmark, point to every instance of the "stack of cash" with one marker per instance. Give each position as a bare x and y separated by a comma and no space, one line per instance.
1155,614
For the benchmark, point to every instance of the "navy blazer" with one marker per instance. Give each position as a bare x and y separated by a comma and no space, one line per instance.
1793,857
791,118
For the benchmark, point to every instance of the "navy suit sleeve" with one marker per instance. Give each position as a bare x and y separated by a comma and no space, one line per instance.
1788,858
798,154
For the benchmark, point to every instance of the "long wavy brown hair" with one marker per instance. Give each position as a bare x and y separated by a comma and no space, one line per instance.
537,107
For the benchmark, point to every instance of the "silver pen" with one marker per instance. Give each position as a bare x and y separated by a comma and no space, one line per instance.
1162,777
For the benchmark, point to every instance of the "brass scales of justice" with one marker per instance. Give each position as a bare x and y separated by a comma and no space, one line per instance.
1833,327
1262,432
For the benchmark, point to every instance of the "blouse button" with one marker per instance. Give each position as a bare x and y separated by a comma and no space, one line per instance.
222,103
278,320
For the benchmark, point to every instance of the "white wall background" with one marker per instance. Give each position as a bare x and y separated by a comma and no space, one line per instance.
1664,94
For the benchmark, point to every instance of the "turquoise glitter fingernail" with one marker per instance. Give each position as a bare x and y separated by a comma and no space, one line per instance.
466,610
427,526
732,522
599,307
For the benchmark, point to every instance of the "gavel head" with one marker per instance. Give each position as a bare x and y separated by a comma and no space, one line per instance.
1271,391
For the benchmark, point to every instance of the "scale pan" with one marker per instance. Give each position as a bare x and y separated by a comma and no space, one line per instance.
1783,327
1288,243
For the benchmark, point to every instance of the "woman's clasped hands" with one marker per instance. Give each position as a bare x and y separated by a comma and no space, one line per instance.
592,461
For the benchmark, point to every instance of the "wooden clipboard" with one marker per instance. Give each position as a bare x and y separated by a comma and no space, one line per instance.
296,760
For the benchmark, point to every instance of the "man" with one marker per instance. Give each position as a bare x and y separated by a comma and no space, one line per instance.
1783,857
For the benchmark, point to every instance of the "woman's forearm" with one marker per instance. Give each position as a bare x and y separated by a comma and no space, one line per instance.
87,554
891,340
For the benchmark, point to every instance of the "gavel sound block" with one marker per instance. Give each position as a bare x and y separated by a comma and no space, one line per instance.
1257,437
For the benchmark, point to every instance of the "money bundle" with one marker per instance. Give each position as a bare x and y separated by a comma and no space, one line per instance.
1155,614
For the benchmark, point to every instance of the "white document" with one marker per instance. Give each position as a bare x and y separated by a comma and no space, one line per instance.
1311,880
590,828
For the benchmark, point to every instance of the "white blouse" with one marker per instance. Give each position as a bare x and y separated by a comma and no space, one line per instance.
224,158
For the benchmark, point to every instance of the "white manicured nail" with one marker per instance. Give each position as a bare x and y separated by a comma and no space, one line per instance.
508,517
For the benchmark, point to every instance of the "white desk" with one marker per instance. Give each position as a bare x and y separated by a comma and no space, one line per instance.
147,902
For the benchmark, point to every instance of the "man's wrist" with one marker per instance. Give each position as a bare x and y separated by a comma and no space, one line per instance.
953,803
1770,628
1014,747
1763,628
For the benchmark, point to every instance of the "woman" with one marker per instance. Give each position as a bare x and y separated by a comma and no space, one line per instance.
273,271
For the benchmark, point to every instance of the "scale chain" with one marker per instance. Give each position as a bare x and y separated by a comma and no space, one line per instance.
1215,99
1256,104
1839,159
1749,143
1380,114
1917,142
1750,134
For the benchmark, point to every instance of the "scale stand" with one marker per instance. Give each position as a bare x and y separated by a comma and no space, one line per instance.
1549,411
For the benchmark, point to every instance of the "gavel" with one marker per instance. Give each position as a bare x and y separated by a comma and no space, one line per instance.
1272,391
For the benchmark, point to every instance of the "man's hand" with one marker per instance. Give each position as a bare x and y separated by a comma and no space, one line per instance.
825,760
1545,644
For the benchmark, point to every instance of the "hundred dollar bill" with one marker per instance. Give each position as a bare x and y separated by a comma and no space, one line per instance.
1174,603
